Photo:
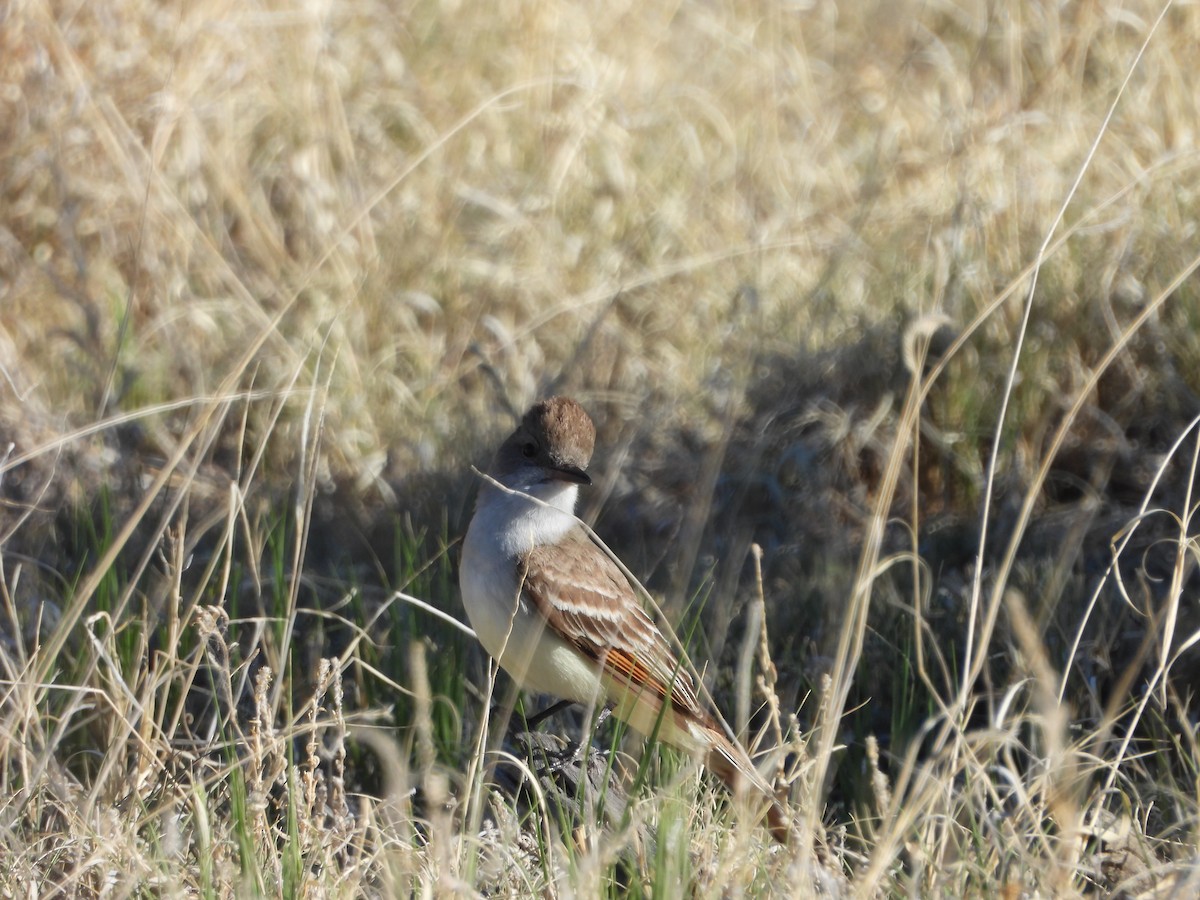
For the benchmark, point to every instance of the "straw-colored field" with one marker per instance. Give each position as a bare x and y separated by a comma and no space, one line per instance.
902,294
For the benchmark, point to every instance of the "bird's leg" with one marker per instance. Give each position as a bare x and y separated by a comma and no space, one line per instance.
537,719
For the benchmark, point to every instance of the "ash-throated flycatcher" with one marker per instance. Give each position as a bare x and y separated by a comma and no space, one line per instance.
560,616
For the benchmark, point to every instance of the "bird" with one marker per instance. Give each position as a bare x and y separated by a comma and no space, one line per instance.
559,615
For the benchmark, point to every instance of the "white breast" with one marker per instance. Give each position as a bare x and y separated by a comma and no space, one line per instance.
505,528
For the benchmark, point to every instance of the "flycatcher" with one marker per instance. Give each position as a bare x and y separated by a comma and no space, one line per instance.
560,616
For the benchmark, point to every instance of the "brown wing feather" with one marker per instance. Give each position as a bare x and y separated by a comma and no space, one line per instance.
586,598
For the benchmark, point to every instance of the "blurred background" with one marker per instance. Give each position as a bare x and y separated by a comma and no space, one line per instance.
274,276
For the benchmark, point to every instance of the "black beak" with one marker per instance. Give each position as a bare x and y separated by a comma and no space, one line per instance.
572,474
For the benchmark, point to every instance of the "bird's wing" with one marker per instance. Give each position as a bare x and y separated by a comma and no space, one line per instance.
587,600
584,596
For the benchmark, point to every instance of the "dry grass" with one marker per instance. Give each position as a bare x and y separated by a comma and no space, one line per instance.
272,277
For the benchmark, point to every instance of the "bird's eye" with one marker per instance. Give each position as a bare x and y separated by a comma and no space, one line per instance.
529,449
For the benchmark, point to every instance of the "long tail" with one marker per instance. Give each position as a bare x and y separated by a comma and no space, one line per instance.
733,766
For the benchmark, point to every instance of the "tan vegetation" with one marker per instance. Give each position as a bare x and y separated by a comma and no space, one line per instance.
901,293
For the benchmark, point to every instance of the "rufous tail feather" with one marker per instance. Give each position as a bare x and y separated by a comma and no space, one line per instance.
734,767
